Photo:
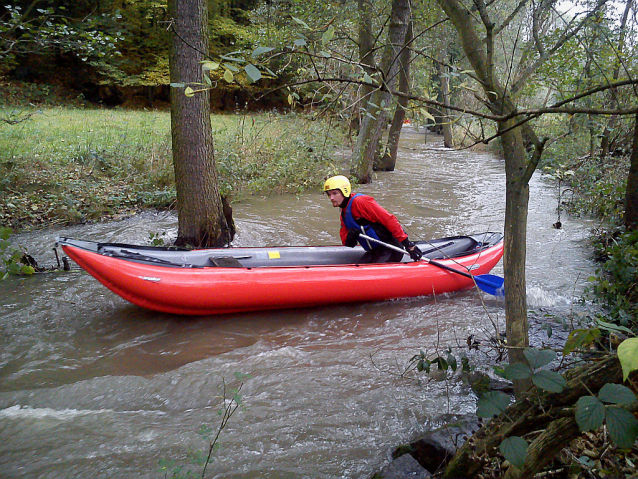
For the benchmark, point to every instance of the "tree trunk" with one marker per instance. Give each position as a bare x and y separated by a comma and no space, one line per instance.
613,98
375,117
516,209
446,125
366,56
201,220
631,194
517,172
389,160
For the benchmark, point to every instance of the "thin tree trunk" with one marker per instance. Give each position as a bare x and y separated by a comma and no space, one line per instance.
375,118
366,56
516,209
631,194
389,160
446,125
201,220
517,173
613,100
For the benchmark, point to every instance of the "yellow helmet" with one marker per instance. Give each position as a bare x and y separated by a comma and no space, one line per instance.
338,183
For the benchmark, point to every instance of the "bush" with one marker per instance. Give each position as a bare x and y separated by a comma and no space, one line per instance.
617,280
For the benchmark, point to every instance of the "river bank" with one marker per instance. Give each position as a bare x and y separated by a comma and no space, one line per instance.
66,166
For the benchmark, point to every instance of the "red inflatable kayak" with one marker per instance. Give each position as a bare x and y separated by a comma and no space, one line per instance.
227,280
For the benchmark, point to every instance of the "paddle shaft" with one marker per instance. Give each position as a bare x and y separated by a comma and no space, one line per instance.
427,260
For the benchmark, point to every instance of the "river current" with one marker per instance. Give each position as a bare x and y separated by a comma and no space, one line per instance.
91,386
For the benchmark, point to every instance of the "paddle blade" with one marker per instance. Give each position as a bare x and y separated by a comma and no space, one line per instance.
491,284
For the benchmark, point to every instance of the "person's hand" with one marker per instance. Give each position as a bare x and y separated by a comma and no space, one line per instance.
415,253
352,239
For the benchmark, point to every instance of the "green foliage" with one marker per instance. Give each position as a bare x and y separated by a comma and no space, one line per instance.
492,403
36,30
275,154
579,338
12,257
514,449
543,379
592,411
616,282
444,362
628,356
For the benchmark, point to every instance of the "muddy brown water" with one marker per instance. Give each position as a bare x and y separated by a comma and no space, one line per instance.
91,386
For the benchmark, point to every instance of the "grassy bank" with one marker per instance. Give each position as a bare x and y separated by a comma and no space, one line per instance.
68,165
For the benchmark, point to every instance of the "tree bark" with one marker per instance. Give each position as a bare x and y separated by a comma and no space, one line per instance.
366,55
515,251
201,220
613,97
631,193
444,117
389,159
375,117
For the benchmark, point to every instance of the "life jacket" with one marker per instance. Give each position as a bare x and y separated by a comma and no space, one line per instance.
366,229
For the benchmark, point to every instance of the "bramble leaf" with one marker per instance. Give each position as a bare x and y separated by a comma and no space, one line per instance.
628,356
616,394
517,371
537,358
590,413
253,72
300,22
579,338
261,50
549,381
492,403
328,35
514,449
622,426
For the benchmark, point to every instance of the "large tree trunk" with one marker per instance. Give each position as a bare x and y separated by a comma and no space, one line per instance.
631,194
389,159
201,220
375,118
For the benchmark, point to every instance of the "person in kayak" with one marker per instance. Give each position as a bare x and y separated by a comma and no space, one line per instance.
362,214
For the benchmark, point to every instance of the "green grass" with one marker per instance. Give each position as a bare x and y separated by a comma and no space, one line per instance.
67,165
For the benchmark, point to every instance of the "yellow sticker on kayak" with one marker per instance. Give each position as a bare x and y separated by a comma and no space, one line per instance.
273,255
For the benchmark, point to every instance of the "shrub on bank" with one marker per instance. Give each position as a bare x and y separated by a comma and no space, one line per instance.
616,283
596,187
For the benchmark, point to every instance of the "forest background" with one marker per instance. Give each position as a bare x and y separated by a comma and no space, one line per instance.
86,89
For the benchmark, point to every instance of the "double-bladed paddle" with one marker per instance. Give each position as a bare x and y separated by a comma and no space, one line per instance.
489,283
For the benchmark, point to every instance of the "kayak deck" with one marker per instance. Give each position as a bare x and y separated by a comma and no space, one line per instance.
259,257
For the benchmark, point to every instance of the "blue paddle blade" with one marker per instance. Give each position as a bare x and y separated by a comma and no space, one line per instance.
491,284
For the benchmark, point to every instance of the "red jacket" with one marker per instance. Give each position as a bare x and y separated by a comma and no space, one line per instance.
366,207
